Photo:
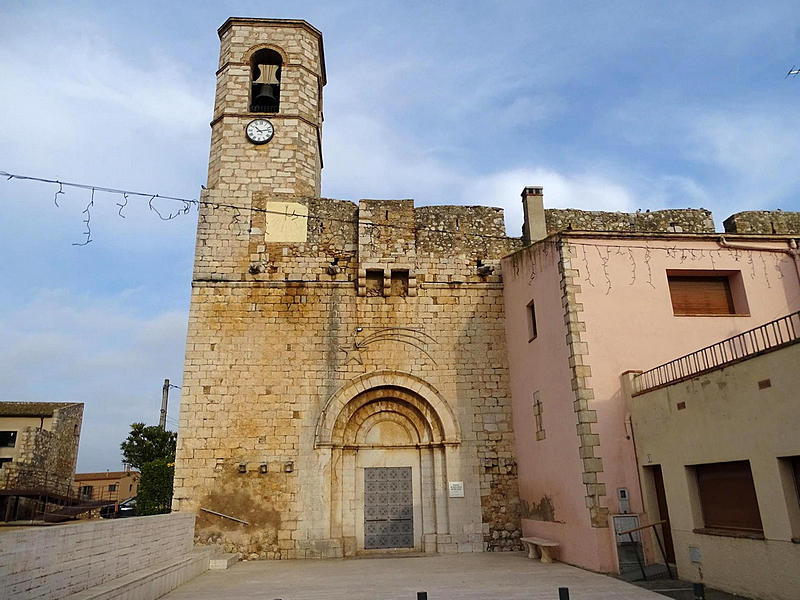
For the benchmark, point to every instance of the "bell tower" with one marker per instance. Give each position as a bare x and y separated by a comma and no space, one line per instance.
271,73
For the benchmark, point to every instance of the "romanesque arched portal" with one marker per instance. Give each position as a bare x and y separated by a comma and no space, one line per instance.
388,435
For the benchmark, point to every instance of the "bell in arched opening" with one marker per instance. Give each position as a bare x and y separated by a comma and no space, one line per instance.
265,78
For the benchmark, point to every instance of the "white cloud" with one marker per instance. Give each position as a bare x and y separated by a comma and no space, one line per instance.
63,347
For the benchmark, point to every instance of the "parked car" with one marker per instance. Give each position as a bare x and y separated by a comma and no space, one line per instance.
126,508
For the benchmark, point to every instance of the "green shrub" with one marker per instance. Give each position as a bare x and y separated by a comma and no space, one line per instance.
155,487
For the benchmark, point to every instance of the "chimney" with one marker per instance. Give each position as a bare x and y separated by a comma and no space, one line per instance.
534,227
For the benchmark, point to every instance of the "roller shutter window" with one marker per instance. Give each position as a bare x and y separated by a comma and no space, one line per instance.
728,496
701,295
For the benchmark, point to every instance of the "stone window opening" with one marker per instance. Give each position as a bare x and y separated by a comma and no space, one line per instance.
265,81
374,283
399,282
4,461
8,439
533,331
112,487
85,492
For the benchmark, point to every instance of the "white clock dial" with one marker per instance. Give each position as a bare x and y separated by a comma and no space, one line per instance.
259,131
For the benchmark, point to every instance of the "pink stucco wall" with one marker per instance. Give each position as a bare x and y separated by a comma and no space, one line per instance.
630,325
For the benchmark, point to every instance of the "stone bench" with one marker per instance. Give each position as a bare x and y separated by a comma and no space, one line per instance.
539,546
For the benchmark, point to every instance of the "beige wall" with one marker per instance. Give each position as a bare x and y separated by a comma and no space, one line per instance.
728,418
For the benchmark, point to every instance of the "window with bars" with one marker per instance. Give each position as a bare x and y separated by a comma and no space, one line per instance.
537,416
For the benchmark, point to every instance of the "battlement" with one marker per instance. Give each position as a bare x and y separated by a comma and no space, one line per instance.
764,221
661,221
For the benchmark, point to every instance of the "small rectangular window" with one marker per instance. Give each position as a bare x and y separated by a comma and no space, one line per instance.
8,439
85,491
4,461
728,497
701,294
374,282
532,329
399,282
112,487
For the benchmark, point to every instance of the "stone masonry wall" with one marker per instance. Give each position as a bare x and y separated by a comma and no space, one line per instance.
764,221
670,220
48,458
276,328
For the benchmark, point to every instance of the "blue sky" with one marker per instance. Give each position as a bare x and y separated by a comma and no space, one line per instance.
608,105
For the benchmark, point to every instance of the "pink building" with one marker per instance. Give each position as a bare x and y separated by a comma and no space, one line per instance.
599,294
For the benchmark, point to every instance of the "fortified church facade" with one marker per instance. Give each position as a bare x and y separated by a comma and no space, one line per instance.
346,386
380,377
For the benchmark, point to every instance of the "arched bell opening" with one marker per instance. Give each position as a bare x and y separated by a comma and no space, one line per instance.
265,81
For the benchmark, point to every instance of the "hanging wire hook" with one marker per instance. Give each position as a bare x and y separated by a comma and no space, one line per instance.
60,191
88,213
121,206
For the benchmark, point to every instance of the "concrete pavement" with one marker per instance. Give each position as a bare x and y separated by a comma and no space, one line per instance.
483,576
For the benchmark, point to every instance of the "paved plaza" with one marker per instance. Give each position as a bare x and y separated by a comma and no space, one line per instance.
484,576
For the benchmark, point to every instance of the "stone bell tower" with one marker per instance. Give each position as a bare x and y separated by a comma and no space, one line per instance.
270,70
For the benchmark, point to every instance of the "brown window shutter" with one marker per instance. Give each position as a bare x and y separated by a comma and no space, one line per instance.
700,295
728,496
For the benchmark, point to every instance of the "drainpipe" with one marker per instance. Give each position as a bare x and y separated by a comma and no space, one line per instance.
792,251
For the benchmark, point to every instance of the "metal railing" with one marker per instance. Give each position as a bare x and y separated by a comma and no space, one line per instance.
769,336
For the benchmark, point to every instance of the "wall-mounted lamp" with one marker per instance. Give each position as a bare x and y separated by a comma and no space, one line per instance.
288,466
242,467
262,468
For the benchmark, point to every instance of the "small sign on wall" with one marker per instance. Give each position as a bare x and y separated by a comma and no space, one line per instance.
456,489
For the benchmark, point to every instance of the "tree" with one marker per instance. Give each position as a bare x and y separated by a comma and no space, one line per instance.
146,443
151,450
155,488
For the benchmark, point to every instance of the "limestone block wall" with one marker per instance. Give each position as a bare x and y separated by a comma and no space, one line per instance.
669,220
764,221
54,562
277,328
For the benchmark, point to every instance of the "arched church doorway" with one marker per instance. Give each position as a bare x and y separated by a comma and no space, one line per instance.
389,440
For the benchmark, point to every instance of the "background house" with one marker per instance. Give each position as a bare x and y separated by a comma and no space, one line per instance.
108,485
38,453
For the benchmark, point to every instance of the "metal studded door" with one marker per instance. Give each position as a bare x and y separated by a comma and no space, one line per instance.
388,508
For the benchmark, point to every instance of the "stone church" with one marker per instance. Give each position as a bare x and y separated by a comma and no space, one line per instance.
346,387
379,377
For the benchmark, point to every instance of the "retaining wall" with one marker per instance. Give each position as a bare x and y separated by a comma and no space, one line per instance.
57,561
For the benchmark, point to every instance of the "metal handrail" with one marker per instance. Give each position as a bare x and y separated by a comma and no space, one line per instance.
769,336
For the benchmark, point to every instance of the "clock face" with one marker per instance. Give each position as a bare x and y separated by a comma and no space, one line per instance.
259,131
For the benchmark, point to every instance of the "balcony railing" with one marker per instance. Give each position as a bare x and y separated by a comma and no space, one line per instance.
769,336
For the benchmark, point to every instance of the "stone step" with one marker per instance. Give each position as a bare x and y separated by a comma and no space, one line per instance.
222,561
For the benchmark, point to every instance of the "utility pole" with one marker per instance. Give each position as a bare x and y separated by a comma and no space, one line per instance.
162,422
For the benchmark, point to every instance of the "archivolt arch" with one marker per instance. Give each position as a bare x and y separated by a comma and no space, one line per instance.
418,402
253,49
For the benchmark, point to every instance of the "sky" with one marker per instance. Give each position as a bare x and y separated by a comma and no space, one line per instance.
607,105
